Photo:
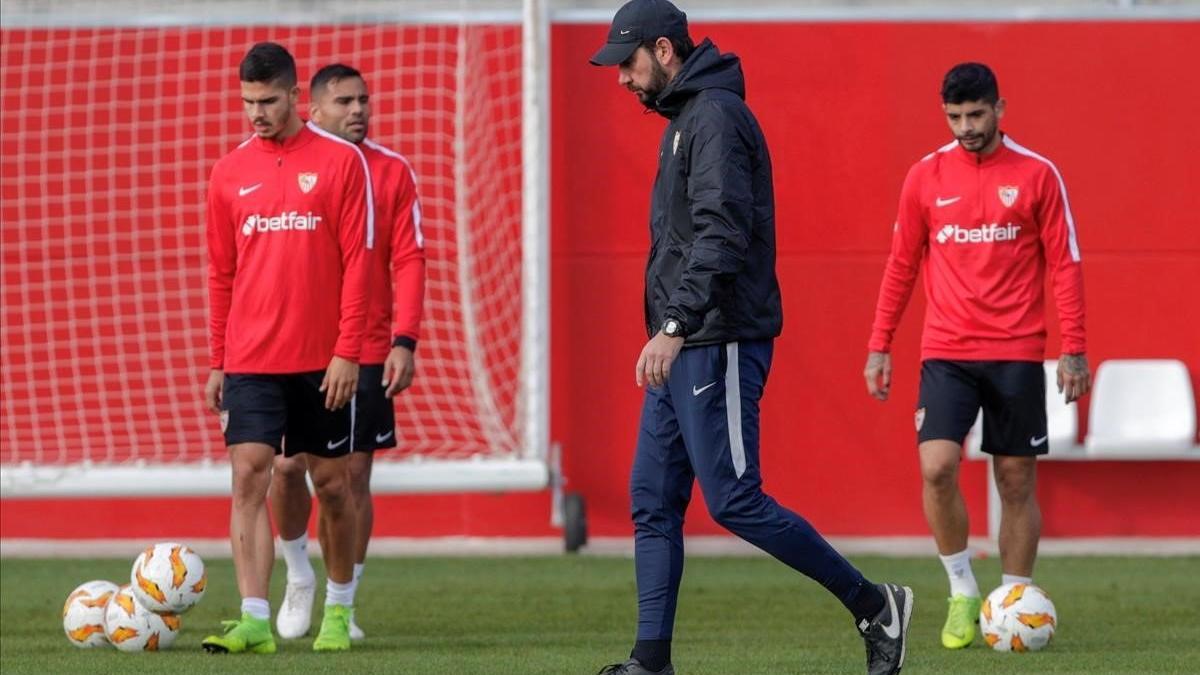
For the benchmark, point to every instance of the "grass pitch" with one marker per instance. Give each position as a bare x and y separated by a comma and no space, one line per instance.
573,614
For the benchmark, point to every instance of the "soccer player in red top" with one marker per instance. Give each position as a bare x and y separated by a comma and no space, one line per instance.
988,219
341,105
290,220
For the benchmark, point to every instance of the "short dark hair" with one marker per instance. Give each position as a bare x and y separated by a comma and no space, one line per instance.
682,44
334,72
268,62
970,82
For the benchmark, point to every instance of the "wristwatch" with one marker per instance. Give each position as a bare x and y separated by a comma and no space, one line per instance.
672,328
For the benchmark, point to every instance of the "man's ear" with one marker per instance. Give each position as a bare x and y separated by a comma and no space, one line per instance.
664,51
1000,105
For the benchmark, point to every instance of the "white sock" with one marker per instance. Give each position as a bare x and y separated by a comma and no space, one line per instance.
339,594
258,608
958,569
295,554
358,571
1014,579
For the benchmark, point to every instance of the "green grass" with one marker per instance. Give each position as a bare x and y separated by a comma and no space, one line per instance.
573,614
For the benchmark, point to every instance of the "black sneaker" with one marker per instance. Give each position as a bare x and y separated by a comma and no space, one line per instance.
634,667
887,634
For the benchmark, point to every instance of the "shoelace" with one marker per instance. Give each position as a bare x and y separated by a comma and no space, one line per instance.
612,669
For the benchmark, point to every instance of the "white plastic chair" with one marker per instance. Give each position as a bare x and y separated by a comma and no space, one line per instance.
1142,407
1062,421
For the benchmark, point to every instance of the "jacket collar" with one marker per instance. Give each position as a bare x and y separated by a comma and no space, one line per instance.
291,144
974,159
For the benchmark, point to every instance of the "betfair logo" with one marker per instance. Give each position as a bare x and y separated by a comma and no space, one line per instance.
291,220
984,234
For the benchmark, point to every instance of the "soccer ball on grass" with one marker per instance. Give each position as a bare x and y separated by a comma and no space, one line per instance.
131,627
168,577
83,613
1017,618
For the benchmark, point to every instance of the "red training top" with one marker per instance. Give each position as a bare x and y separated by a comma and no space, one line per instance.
400,246
288,228
988,228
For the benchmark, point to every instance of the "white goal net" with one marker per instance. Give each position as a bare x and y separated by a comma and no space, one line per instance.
114,114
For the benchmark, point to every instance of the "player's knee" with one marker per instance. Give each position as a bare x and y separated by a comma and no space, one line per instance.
736,511
1014,485
250,482
289,468
360,479
939,474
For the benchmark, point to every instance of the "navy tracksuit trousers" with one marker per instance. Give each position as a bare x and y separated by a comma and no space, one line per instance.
703,425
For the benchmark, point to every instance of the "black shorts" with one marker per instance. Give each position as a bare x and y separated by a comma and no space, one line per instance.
1011,393
271,408
374,415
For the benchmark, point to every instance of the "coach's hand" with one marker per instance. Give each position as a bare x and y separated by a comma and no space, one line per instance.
654,365
878,372
212,390
340,383
398,370
1074,378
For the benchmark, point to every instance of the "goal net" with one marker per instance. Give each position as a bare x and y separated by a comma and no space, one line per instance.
114,114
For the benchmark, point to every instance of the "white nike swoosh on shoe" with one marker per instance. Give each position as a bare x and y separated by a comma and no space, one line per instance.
892,630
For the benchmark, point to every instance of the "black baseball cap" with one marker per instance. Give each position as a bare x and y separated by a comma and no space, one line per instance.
636,22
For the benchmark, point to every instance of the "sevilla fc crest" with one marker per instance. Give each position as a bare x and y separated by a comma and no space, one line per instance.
919,419
308,181
1008,195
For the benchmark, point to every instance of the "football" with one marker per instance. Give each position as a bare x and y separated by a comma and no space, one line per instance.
83,613
168,578
131,627
1017,618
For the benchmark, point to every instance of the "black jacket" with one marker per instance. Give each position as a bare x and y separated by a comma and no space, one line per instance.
712,214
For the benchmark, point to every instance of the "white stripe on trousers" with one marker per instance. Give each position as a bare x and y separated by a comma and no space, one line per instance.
733,409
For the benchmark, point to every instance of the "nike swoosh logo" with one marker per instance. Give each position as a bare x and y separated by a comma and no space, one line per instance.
379,438
334,446
892,630
626,32
242,192
946,202
1035,442
696,391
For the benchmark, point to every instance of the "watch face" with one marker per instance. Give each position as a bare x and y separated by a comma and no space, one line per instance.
672,328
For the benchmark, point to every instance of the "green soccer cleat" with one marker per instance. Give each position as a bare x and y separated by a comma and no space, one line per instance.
247,634
961,622
335,630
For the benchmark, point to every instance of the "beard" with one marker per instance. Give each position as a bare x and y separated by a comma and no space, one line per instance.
978,141
658,82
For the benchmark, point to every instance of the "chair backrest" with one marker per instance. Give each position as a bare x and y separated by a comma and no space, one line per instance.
1142,405
1062,418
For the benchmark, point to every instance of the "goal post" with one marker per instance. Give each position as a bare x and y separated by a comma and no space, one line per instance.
115,114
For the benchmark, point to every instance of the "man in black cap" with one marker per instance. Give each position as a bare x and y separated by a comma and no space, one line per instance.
712,313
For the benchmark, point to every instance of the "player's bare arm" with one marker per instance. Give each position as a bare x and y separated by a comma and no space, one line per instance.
398,370
1074,377
878,373
654,363
212,390
341,380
